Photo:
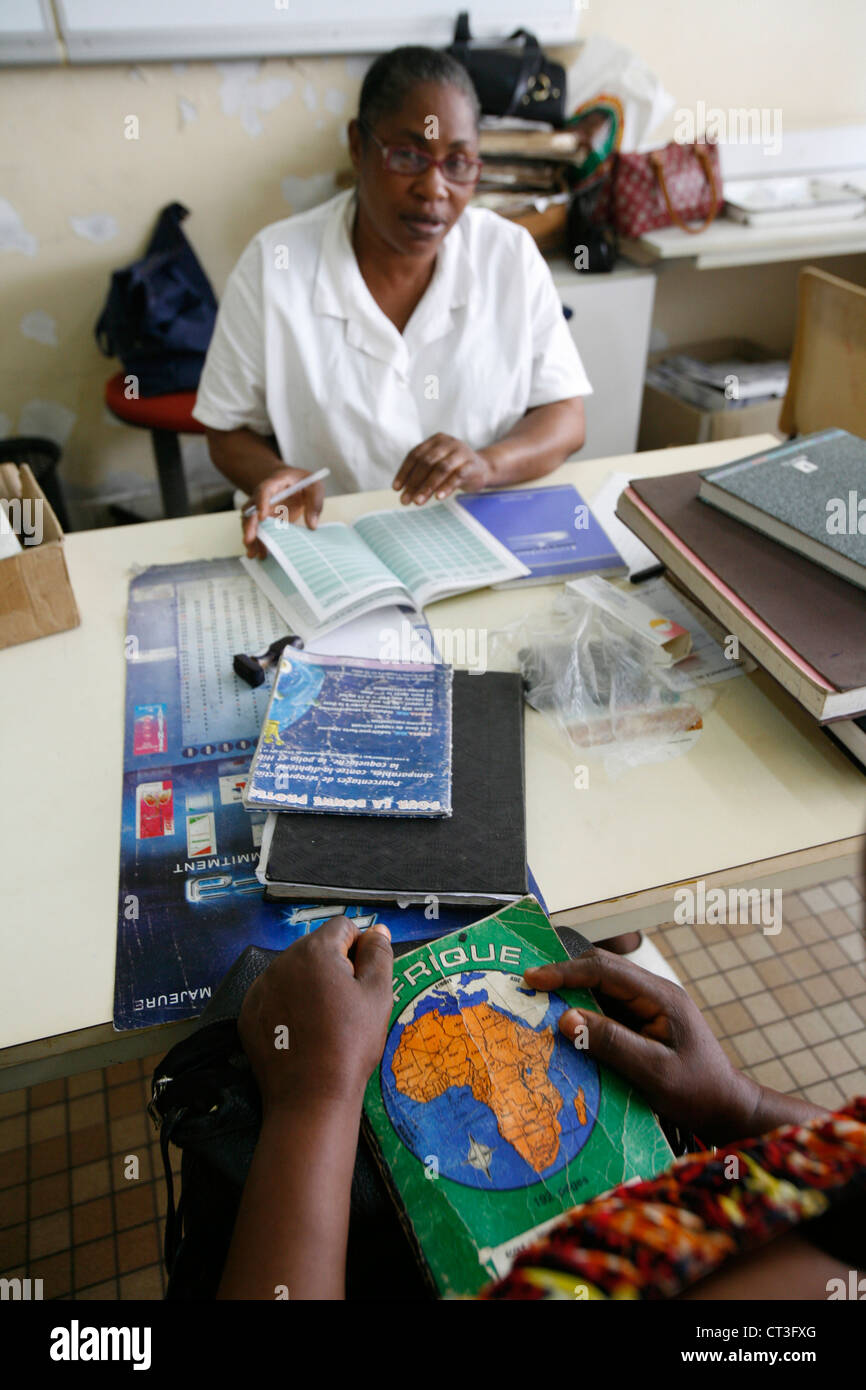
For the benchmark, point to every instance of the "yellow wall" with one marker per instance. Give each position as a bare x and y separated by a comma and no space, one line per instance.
225,160
802,56
223,138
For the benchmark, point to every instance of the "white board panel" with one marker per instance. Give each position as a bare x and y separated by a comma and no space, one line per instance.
118,30
28,33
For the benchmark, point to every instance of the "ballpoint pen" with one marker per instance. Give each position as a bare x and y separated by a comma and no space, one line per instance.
299,486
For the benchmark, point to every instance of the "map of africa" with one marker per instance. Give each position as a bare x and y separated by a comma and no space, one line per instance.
477,1076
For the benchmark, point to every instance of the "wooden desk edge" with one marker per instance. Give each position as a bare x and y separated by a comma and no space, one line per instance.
652,907
67,1054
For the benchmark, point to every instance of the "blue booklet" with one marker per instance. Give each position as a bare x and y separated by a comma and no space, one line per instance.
354,736
551,530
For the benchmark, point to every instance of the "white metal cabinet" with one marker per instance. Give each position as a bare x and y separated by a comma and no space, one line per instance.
610,323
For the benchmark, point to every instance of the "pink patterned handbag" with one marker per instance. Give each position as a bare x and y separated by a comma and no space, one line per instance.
677,184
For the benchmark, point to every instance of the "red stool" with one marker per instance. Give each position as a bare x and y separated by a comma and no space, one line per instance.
166,417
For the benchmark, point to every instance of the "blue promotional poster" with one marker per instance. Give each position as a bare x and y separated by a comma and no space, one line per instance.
189,901
354,736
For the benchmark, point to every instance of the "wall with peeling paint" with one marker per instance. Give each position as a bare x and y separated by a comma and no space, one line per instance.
240,144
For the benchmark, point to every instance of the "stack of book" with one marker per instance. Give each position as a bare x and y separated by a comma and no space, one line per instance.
528,173
391,782
774,546
389,779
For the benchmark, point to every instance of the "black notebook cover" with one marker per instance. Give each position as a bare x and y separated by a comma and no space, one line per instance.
477,855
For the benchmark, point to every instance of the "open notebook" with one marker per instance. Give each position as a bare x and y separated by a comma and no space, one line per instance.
318,580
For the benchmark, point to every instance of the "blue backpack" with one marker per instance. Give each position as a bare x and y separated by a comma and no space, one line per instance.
160,312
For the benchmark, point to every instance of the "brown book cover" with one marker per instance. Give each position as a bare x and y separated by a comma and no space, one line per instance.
820,615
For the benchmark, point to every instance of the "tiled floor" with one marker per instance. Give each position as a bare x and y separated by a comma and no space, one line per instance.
790,1009
75,1210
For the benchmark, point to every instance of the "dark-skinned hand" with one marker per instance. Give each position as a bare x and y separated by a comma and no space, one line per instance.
307,504
336,1007
440,465
664,1046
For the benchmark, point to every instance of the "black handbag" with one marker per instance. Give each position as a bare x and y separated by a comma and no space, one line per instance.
160,312
206,1101
514,78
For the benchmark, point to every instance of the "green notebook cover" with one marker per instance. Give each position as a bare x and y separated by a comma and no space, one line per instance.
487,1122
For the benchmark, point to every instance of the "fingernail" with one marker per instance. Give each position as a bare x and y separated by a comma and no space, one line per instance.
440,495
572,1019
380,927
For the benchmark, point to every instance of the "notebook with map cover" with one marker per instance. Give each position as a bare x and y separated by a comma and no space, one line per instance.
487,1122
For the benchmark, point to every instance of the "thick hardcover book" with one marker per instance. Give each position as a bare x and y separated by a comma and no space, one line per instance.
477,855
804,624
487,1122
550,530
354,736
809,495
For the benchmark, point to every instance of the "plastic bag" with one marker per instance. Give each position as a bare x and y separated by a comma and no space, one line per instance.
605,66
600,684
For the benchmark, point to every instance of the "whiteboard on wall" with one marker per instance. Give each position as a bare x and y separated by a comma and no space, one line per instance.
154,30
28,33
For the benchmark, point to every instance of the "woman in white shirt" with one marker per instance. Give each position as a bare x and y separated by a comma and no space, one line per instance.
393,335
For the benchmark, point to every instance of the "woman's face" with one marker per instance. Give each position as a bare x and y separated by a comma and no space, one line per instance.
414,213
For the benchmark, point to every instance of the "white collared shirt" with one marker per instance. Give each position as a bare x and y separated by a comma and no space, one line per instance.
301,349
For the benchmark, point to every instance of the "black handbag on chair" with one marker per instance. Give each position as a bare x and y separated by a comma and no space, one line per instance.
513,78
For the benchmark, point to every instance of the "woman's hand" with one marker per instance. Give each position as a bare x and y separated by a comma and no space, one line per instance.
313,1024
313,1027
307,504
441,465
665,1047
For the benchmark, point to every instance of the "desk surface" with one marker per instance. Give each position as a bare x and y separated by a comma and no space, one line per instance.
729,243
763,790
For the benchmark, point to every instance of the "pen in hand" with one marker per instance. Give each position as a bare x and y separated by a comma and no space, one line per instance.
299,486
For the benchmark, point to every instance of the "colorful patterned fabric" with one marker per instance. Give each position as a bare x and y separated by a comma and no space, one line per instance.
651,1240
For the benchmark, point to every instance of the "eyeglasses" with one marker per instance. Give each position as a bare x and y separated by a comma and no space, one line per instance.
406,160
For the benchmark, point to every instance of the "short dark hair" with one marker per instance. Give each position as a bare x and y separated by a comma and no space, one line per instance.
393,75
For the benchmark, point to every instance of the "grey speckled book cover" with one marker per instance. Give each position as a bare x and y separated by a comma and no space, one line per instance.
813,487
